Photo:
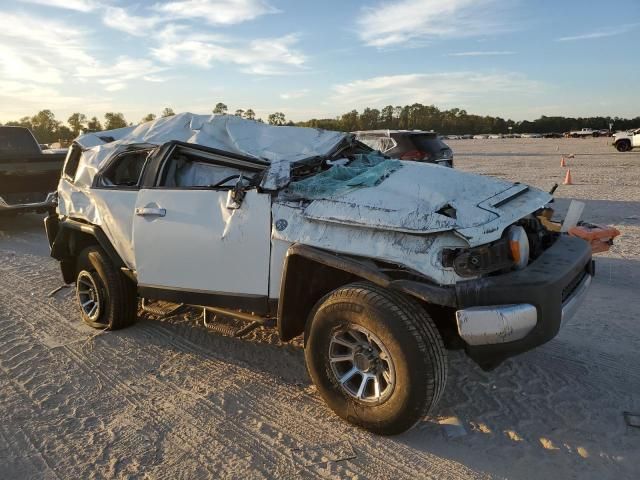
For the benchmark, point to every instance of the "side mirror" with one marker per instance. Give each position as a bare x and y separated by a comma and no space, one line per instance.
235,196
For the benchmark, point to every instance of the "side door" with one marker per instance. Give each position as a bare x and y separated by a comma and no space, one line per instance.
114,192
190,246
635,141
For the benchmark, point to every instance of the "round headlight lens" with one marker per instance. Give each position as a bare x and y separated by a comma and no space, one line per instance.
519,246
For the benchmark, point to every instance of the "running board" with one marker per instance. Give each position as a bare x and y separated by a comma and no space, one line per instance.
228,330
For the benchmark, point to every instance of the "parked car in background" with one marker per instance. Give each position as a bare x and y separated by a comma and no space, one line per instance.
416,145
381,264
626,141
552,135
496,136
530,135
584,133
481,136
28,175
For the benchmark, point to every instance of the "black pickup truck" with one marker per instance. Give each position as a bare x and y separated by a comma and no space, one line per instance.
28,175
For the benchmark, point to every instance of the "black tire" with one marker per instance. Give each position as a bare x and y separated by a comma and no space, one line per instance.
623,145
115,294
410,338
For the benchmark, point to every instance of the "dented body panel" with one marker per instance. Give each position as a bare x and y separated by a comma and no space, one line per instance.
226,251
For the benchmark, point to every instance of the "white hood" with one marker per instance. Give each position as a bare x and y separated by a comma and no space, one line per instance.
423,198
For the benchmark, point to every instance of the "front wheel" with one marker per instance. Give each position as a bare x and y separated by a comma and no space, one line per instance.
107,298
623,146
376,357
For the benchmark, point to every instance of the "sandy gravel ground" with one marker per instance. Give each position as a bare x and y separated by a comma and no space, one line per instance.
169,399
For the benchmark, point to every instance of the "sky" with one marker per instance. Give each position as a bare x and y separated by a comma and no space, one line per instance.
316,59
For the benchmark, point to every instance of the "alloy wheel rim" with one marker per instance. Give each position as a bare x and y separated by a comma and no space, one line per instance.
362,365
88,295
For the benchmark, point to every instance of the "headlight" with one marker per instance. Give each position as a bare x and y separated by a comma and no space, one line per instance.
518,246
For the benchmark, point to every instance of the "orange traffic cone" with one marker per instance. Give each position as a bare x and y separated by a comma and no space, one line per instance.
562,162
567,178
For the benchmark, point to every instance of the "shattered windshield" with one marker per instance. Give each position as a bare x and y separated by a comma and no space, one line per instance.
365,170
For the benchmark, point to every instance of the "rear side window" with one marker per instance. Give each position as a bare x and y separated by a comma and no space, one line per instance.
428,143
370,141
124,171
71,164
385,144
378,142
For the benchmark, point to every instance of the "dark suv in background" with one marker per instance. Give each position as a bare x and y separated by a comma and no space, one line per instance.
417,145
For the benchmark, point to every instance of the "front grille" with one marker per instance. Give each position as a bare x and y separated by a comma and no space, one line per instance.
572,285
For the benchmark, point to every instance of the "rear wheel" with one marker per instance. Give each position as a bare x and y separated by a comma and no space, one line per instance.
376,357
107,298
623,145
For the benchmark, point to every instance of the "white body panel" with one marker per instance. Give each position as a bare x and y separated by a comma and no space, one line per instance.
116,209
112,210
418,252
201,245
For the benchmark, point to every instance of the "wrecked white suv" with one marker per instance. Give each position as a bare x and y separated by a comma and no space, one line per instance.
382,264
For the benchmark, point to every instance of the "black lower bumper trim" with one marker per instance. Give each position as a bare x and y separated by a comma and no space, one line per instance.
545,283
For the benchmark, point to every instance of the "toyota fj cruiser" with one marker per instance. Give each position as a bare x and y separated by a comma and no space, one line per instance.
383,265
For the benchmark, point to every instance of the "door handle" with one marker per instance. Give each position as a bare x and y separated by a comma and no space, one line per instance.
151,211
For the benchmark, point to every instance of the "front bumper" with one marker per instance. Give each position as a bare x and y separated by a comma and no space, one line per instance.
38,205
503,315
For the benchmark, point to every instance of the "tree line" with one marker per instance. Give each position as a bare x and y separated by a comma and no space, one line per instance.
47,129
458,122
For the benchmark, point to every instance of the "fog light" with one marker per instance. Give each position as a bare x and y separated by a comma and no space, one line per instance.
519,246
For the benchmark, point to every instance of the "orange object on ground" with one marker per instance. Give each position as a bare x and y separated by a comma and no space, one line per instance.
562,162
600,237
567,178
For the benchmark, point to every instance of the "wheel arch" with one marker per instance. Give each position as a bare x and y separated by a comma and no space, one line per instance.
309,273
71,237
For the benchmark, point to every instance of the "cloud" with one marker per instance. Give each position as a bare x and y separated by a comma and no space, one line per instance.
216,12
388,24
267,56
120,19
43,38
77,5
114,76
599,33
295,94
44,58
480,53
455,88
58,55
115,86
20,98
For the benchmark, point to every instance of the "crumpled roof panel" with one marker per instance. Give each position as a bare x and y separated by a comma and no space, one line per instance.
225,132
